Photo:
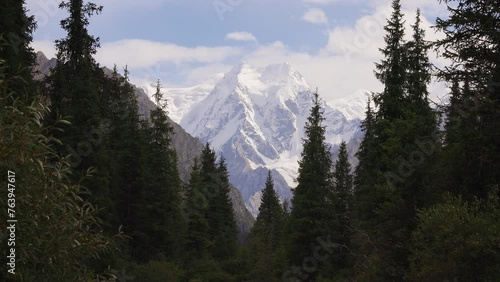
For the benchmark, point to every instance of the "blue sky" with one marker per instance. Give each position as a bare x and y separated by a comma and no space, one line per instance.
332,43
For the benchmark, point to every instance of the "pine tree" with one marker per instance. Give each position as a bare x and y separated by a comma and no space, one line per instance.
472,43
74,88
73,81
160,223
391,178
342,196
267,237
19,59
204,220
197,241
222,225
365,173
126,142
391,71
419,66
310,216
269,224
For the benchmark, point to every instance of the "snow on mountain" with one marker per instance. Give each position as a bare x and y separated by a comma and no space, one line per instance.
255,117
181,99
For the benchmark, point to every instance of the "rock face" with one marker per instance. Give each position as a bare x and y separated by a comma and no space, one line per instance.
255,117
187,146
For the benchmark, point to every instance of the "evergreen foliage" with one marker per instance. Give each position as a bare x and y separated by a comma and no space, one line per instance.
342,205
472,43
267,238
16,29
422,204
160,224
57,230
396,154
310,216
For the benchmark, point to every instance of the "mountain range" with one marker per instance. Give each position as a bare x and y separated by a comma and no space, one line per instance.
255,118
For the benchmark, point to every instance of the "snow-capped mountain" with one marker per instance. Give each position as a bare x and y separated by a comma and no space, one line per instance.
255,117
181,99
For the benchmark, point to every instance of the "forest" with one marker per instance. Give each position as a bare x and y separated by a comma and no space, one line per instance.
98,197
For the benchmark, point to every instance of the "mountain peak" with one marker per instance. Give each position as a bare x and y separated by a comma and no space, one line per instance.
40,57
238,68
255,117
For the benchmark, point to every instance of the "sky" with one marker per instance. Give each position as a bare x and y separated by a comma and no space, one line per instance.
332,43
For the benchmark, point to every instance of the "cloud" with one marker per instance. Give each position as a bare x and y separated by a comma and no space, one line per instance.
315,16
137,53
346,63
341,67
241,36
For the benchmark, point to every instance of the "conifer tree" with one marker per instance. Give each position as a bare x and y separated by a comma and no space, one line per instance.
365,172
160,224
419,66
204,220
267,237
340,205
16,29
74,88
391,71
222,225
472,43
269,225
197,241
125,142
310,215
391,182
342,196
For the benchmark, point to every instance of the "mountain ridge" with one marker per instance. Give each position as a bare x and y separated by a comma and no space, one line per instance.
255,117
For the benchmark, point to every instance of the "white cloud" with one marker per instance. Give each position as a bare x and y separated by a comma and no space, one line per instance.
241,36
315,16
138,53
344,65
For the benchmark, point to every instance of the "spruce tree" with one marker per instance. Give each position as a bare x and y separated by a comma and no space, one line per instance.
203,226
365,173
391,71
419,67
16,29
342,194
126,142
391,182
197,241
74,88
340,205
160,223
222,225
310,215
269,224
266,238
472,43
